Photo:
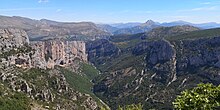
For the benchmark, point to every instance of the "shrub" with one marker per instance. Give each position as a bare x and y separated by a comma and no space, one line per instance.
202,97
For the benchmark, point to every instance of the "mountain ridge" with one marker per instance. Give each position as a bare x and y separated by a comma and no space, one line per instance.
154,72
48,29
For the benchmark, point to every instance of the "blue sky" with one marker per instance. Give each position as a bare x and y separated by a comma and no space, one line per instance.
114,11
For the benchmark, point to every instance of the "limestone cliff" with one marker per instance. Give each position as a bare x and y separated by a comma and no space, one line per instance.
43,88
17,50
12,38
55,52
154,71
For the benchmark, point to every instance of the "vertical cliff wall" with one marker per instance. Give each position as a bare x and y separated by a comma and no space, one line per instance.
17,50
55,52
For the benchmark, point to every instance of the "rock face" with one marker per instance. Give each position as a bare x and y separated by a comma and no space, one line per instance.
55,52
47,54
12,38
160,51
155,72
101,50
47,86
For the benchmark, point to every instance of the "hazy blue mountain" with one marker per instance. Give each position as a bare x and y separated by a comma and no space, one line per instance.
125,25
107,28
144,27
202,25
175,23
208,25
134,28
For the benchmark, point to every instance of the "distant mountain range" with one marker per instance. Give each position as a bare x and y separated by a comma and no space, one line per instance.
46,29
202,25
134,28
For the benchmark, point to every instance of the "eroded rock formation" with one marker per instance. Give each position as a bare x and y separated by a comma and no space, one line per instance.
17,50
49,86
55,52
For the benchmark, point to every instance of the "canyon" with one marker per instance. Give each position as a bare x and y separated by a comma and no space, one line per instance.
46,54
64,72
40,71
153,68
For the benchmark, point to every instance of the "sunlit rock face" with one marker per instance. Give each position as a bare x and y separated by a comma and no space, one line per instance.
16,49
55,52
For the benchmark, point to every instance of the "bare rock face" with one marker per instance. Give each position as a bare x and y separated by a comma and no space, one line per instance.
17,50
55,52
48,86
12,38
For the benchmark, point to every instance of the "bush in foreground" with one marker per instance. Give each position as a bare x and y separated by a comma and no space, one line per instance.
202,97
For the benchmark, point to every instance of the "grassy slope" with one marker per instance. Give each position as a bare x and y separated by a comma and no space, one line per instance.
82,82
125,41
13,100
90,71
209,33
77,81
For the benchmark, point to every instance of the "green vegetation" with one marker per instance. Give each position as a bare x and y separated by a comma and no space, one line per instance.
13,101
128,107
125,60
78,81
131,107
203,97
82,81
89,70
209,33
125,41
24,49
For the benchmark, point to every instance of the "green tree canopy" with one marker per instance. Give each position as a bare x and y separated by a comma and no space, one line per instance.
202,97
131,107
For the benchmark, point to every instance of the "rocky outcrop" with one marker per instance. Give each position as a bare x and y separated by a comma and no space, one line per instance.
17,50
55,52
198,53
12,38
157,52
47,86
101,50
164,68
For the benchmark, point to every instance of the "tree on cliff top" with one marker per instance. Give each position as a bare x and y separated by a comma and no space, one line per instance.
202,97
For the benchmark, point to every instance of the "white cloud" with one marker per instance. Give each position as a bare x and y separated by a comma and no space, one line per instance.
43,1
205,8
58,10
210,3
212,8
206,3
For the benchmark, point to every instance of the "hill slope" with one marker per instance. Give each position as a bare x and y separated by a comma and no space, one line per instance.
27,86
46,29
154,72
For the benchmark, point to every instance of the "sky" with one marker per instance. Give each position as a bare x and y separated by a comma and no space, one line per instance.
114,11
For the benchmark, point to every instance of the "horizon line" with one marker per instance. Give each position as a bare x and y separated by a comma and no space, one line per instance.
161,22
